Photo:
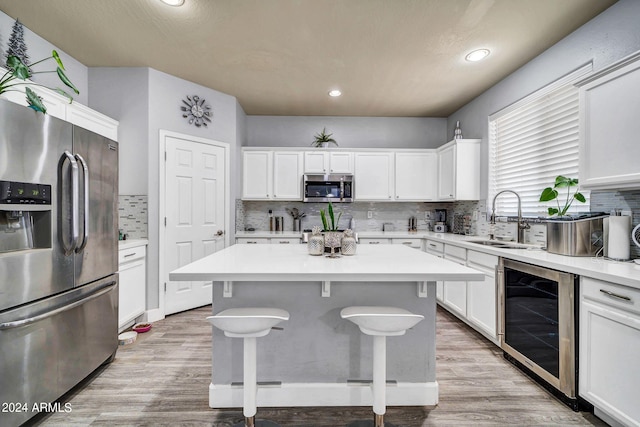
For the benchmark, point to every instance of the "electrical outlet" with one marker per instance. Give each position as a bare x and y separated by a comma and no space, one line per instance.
369,214
475,215
427,215
626,213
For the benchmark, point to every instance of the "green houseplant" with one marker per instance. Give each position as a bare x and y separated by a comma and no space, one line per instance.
323,139
552,193
14,79
325,223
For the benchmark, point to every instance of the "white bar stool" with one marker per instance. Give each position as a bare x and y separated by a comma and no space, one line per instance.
249,324
380,322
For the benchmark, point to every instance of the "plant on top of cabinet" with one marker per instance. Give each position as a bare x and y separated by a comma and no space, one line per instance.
551,193
18,73
323,139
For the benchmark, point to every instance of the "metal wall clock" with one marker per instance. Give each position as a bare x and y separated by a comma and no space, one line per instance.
196,111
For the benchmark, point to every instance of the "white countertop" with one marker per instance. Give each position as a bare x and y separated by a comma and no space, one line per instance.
131,243
293,263
623,273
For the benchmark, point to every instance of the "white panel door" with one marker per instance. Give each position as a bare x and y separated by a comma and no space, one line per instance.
195,212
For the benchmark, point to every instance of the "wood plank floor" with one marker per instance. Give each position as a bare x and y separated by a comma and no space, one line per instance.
162,380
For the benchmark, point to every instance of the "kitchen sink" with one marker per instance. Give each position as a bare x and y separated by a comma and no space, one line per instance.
503,245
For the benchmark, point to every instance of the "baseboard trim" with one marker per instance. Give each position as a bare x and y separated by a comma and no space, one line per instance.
153,315
325,394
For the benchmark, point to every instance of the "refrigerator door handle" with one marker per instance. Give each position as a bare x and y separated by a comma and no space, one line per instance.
85,174
75,196
29,320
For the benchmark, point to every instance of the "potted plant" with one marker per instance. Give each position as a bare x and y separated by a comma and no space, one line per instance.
323,139
551,193
332,237
17,73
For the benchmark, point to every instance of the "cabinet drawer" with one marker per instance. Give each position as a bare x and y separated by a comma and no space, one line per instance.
412,243
131,254
485,262
451,251
611,294
374,241
252,241
434,247
276,241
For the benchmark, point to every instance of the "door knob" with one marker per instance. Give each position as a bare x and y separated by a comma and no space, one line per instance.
219,233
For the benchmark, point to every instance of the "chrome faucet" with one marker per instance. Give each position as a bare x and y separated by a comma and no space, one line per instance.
521,226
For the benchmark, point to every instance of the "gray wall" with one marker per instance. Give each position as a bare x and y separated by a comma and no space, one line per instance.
37,49
349,132
146,101
123,94
612,35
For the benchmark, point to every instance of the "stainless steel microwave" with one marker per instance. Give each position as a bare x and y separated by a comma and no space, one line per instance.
328,188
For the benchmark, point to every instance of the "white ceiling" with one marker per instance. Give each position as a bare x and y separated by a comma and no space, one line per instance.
281,57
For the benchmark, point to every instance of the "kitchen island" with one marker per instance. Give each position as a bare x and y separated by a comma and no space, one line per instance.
319,359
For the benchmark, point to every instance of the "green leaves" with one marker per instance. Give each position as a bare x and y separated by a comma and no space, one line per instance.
17,70
66,80
35,102
325,222
548,194
551,193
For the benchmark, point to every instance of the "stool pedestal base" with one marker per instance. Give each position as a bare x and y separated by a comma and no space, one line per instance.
252,422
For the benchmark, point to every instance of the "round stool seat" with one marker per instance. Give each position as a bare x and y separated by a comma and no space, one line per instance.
386,321
248,321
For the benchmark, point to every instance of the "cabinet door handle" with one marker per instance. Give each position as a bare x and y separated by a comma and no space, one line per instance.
406,243
611,294
128,255
374,243
283,241
251,242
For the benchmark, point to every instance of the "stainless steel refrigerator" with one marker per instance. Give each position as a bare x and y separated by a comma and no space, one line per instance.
58,258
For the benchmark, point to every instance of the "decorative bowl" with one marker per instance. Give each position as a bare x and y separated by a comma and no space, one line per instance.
141,327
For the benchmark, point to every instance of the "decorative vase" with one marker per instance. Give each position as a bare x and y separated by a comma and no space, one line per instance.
332,240
348,244
315,245
457,132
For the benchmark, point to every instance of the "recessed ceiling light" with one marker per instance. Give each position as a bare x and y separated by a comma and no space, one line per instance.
477,55
334,93
173,2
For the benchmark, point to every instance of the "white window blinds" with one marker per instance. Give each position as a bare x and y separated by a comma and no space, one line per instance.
533,141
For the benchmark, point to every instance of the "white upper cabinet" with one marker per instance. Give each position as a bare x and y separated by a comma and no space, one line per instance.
72,112
459,170
287,175
416,176
269,175
328,162
257,172
374,176
609,108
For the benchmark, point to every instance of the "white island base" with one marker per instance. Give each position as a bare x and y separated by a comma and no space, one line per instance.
318,358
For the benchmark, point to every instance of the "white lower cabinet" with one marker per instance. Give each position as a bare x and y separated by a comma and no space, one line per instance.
370,241
609,347
482,295
436,249
454,292
132,271
475,302
267,241
412,243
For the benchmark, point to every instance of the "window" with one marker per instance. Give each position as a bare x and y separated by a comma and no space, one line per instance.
533,141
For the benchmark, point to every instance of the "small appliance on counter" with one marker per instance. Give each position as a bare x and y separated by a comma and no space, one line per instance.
580,235
617,228
441,221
